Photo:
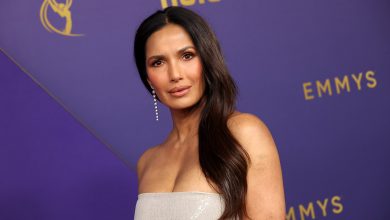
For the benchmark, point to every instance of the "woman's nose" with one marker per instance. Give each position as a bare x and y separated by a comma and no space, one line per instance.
174,73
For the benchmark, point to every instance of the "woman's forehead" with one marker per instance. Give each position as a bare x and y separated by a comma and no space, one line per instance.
171,38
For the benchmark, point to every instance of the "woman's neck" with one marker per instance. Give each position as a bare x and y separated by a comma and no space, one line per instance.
185,124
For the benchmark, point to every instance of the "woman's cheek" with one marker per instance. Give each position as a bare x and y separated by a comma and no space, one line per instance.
152,76
196,68
157,81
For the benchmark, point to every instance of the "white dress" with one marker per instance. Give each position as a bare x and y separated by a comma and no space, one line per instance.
179,206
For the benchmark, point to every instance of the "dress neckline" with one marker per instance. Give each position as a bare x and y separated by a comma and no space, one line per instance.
178,193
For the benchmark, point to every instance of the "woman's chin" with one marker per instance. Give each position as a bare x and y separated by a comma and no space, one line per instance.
182,106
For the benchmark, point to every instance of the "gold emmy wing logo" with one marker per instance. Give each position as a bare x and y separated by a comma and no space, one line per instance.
63,11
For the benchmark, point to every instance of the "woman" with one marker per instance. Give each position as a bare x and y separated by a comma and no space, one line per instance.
216,162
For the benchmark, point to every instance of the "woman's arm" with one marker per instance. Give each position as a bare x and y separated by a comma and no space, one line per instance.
265,196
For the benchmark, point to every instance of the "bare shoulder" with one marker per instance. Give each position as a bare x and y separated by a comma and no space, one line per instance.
245,125
252,133
144,160
265,196
244,120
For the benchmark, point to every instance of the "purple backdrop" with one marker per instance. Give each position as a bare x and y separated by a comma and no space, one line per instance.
317,73
51,167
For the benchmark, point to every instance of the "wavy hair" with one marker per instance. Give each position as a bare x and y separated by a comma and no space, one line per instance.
223,160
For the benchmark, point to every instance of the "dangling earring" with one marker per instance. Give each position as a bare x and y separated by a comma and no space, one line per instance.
155,104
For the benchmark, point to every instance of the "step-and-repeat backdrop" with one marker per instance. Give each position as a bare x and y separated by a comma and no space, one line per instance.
75,117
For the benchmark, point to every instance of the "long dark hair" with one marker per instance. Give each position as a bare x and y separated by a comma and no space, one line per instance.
222,159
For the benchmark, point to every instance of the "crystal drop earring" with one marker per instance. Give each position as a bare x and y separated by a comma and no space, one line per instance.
155,103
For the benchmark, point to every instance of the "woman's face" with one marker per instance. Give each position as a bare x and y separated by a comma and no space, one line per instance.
174,67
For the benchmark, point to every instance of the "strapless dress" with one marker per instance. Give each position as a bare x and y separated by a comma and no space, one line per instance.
179,206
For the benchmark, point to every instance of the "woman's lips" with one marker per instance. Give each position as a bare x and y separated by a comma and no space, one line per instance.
179,91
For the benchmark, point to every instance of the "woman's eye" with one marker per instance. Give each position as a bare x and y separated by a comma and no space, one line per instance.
156,63
188,56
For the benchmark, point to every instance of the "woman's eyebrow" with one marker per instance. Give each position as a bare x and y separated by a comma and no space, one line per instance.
185,48
159,57
156,57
